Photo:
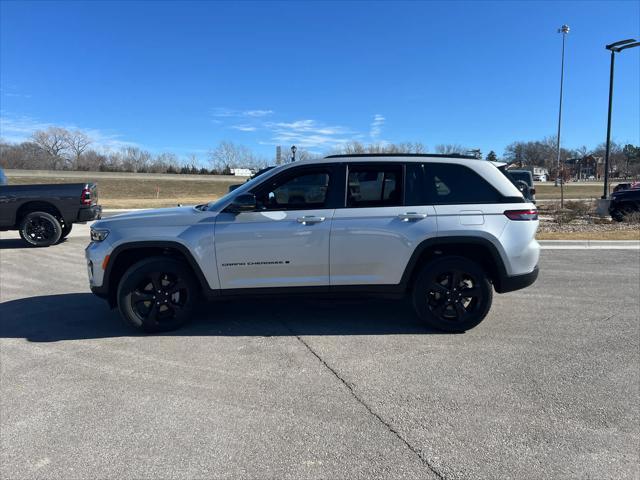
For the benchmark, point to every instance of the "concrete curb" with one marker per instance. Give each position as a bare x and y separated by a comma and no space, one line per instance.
593,244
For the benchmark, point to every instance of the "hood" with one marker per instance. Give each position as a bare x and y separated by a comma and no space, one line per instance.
161,216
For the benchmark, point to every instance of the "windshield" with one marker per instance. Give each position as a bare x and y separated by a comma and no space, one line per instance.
217,204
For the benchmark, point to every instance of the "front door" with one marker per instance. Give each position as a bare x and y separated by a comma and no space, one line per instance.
285,241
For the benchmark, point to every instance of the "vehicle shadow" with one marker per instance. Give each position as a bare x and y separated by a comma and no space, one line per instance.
12,243
78,316
18,243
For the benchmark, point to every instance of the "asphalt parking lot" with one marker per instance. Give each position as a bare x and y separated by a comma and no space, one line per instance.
547,387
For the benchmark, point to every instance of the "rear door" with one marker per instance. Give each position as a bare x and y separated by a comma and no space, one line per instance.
285,242
376,230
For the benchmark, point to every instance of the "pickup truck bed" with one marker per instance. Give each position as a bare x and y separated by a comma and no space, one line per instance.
68,203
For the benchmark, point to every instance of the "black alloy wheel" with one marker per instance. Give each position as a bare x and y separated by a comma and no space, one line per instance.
157,295
452,294
40,229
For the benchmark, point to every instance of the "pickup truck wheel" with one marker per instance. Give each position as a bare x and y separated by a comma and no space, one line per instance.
157,295
40,229
619,213
452,294
66,230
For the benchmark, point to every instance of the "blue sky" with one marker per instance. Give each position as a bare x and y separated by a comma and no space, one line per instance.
180,76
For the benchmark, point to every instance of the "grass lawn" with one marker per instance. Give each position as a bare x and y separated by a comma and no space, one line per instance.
548,191
137,192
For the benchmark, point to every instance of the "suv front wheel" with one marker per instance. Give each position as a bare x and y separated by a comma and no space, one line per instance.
157,294
452,294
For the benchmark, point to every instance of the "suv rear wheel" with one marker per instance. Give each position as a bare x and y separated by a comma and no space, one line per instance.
452,294
157,294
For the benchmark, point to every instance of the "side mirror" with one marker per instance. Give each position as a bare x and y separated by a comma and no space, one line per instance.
243,203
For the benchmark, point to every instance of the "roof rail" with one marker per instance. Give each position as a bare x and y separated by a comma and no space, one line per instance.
425,155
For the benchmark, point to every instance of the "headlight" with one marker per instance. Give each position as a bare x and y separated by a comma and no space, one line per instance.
99,235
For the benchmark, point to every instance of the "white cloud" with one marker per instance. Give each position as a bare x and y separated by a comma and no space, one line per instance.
376,126
244,128
309,134
20,128
232,113
12,92
257,113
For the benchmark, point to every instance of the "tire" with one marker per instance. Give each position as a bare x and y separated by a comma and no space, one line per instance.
617,215
40,229
157,295
439,294
66,230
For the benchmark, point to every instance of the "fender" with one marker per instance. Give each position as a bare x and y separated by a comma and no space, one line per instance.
161,246
496,258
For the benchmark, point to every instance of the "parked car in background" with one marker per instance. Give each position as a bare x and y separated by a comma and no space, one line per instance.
626,186
523,179
44,214
624,203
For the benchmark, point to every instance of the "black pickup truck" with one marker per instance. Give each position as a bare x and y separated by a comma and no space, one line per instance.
624,202
43,214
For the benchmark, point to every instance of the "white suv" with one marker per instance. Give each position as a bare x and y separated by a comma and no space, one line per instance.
446,230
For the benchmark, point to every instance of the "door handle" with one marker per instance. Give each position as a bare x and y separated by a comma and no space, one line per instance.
307,220
408,216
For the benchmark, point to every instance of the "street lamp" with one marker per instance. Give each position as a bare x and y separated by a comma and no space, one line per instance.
564,29
613,48
293,153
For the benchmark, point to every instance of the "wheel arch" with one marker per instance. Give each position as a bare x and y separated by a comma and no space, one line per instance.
478,249
36,206
127,254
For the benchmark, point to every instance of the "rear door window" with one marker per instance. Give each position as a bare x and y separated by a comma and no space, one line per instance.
374,186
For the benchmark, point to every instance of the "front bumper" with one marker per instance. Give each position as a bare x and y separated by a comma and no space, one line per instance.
516,282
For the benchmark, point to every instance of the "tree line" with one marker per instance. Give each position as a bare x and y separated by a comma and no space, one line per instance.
58,148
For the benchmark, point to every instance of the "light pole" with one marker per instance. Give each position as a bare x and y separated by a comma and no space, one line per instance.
564,29
613,48
293,153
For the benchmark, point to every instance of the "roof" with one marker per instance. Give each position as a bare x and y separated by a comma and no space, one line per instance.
426,155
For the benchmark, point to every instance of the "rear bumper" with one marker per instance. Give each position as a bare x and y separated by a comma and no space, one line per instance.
516,282
94,212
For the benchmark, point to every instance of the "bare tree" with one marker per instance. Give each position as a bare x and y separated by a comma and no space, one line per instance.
228,155
77,142
53,141
134,159
446,149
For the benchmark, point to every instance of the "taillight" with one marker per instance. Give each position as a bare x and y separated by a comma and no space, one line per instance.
85,198
522,214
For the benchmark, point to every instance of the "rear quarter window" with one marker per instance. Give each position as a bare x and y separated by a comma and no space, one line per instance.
447,184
